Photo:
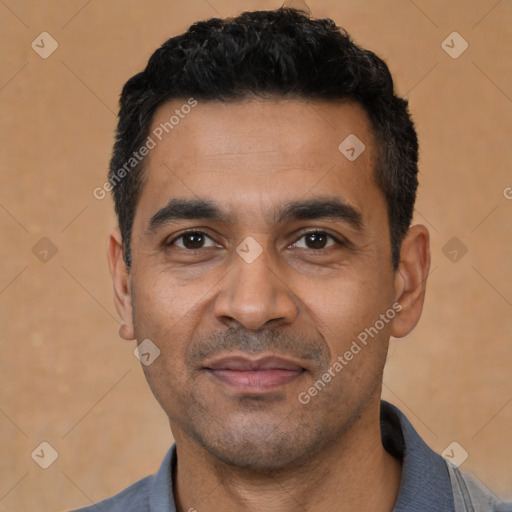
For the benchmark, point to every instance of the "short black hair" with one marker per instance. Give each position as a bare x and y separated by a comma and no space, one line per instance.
284,53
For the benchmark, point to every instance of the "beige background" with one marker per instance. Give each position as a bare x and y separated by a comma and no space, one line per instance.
65,376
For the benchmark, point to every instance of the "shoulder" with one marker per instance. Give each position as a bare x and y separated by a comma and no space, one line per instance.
133,498
470,497
150,494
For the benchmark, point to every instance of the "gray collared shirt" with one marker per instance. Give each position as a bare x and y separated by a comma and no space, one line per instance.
428,484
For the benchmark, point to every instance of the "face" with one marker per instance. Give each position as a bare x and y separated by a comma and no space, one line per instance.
260,257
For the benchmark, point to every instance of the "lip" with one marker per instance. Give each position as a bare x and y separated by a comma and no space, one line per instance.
254,375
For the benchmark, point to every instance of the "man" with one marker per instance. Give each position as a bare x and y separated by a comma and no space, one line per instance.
264,177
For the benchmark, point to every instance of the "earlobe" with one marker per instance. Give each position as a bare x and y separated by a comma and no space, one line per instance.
121,281
410,280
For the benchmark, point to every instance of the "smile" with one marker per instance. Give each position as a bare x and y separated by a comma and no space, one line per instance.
255,375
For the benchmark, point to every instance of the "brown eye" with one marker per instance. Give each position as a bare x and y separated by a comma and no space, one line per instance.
193,240
315,240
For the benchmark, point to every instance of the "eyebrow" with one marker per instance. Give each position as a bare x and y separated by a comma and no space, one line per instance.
329,208
180,209
198,209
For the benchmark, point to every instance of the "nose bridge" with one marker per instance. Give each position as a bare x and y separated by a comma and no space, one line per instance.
252,293
253,278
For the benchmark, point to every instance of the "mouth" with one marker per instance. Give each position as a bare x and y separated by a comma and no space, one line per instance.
259,375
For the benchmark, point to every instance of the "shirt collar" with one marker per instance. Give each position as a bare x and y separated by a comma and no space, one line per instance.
161,498
424,486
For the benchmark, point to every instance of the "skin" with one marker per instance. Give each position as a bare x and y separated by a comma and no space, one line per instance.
302,299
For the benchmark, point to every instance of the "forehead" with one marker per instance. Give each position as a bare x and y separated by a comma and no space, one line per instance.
266,151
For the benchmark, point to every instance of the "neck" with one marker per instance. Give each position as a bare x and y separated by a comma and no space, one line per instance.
354,474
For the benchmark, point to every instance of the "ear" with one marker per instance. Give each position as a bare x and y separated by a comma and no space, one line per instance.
121,281
411,279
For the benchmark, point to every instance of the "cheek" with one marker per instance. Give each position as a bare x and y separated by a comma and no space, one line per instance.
343,307
168,315
162,305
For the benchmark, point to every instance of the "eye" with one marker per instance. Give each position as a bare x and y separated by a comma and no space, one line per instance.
193,240
315,240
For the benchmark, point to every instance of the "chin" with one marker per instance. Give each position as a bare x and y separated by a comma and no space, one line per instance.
260,447
256,457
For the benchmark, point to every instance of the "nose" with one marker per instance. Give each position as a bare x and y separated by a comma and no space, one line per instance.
254,295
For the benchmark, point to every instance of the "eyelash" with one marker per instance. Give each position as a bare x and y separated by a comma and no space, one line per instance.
312,232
